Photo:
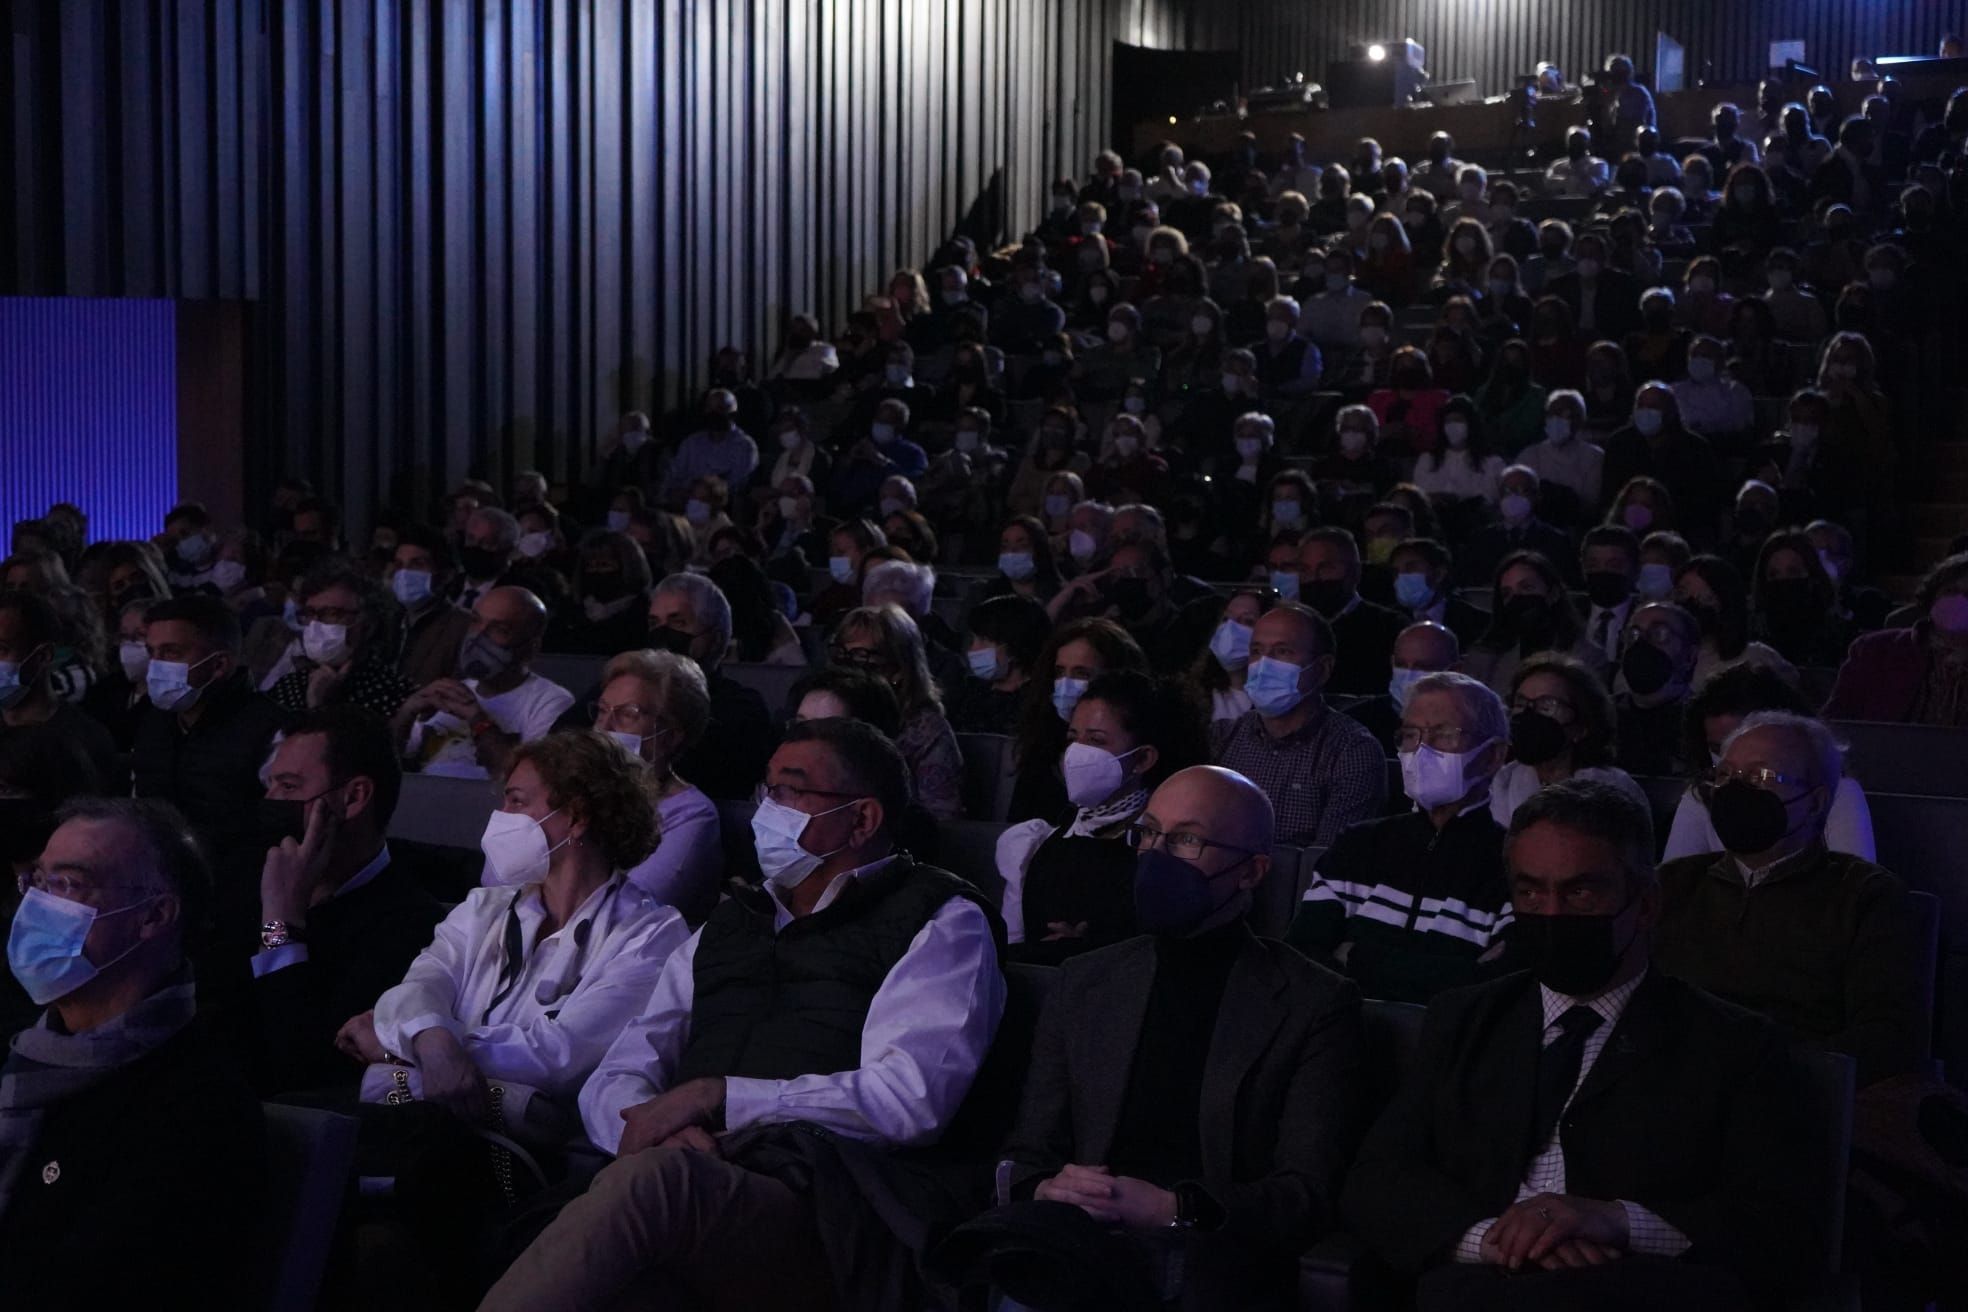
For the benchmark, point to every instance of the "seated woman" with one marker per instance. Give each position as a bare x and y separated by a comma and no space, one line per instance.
1531,614
1794,603
1562,722
535,973
1220,670
611,598
1006,635
1713,591
705,512
1918,674
1069,886
1717,711
1075,655
886,643
657,705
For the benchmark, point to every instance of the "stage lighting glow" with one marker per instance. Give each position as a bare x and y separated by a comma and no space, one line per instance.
1376,53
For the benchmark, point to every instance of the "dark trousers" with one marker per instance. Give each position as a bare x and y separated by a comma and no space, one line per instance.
1630,1284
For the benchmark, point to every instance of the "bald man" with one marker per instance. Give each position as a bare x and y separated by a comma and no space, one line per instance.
1197,1077
1419,651
467,727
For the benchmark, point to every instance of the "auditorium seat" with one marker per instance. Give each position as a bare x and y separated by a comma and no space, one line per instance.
310,1162
1921,840
576,673
443,812
988,776
772,682
969,849
1916,760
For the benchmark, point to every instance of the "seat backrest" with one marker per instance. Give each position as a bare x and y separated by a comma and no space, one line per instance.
772,682
1664,793
1914,759
1393,1035
1828,1079
1276,898
442,811
575,673
310,1162
969,850
1921,840
1924,915
988,775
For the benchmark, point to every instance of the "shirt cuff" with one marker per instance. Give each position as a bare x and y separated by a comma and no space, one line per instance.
272,959
748,1102
1469,1248
1649,1235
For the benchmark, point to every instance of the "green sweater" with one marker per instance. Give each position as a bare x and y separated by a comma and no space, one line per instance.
1824,945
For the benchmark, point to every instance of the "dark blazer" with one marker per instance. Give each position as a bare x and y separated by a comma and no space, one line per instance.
1364,638
1615,303
143,1189
359,945
1279,1088
1690,1110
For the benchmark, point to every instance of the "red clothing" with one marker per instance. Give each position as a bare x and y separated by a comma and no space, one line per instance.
1881,678
1145,478
1421,414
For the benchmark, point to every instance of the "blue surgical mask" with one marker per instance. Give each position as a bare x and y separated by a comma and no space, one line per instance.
1066,694
1272,686
1016,565
841,568
44,948
1285,583
1413,589
985,664
1656,581
1400,686
1230,644
12,690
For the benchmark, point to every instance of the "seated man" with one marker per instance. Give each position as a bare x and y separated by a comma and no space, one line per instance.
340,920
467,727
1197,1077
131,1150
1592,1133
890,994
1821,942
1412,904
1329,569
691,616
1658,668
1321,770
1422,649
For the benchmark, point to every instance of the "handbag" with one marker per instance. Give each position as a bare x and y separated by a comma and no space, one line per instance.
521,1123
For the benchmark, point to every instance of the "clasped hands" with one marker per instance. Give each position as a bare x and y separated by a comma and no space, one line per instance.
688,1116
1557,1230
1109,1198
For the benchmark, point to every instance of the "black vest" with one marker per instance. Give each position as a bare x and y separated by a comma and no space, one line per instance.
777,1006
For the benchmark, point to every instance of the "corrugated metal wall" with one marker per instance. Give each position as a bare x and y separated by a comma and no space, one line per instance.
1494,40
479,229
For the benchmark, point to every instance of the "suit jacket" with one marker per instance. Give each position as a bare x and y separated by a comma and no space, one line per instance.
1280,1085
1690,1110
1615,302
143,1189
359,946
1364,638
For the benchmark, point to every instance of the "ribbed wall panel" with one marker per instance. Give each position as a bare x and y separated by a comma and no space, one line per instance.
89,411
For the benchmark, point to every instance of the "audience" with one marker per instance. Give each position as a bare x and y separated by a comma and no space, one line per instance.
469,727
1562,726
884,641
690,616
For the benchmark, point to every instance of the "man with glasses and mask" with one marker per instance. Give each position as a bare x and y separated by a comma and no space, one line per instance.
1657,668
1193,1092
467,727
351,630
1820,941
202,742
1591,1131
1412,904
340,919
734,1107
691,616
421,571
131,1150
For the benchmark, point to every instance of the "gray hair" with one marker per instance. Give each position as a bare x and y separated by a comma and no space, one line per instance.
1286,303
907,584
1157,526
1101,511
708,603
1827,753
172,852
1257,419
507,526
680,685
1487,714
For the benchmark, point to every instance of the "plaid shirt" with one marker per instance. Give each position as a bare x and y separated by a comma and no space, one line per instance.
1320,779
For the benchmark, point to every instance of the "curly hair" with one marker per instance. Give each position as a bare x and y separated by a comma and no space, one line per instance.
583,771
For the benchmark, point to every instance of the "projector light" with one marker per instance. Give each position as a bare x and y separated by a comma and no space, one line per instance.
1376,53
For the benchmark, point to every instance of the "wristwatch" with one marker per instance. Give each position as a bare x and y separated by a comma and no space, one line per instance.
280,934
1194,1208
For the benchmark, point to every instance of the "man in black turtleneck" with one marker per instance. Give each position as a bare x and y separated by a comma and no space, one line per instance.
1195,1086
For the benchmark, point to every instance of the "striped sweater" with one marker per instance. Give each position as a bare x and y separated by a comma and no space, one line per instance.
1405,909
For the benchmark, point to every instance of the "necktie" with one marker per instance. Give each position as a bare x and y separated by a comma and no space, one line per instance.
1558,1070
1600,630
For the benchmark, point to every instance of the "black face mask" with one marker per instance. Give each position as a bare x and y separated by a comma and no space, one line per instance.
1790,601
1327,596
1535,738
482,562
1607,588
1647,668
1528,615
674,641
280,818
1572,955
606,587
1132,597
1748,819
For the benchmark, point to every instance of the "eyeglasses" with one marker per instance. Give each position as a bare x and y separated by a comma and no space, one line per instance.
627,711
1552,708
790,794
863,658
1756,776
67,887
1442,737
1185,845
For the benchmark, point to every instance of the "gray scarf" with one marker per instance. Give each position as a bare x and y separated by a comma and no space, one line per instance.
46,1066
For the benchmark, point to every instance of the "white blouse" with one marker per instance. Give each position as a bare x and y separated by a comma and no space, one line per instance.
1848,828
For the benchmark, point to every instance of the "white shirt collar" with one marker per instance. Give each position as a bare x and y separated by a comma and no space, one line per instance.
835,887
376,866
1610,1005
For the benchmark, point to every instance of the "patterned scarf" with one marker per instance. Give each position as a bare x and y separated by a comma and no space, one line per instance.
45,1066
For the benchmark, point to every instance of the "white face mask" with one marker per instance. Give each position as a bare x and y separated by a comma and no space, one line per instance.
1081,544
1093,774
1250,448
1126,445
1431,778
776,832
169,684
535,545
1230,644
1202,325
1558,429
135,658
891,505
789,507
324,644
516,850
618,521
1456,434
789,440
1277,330
228,574
1701,369
412,587
1647,421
